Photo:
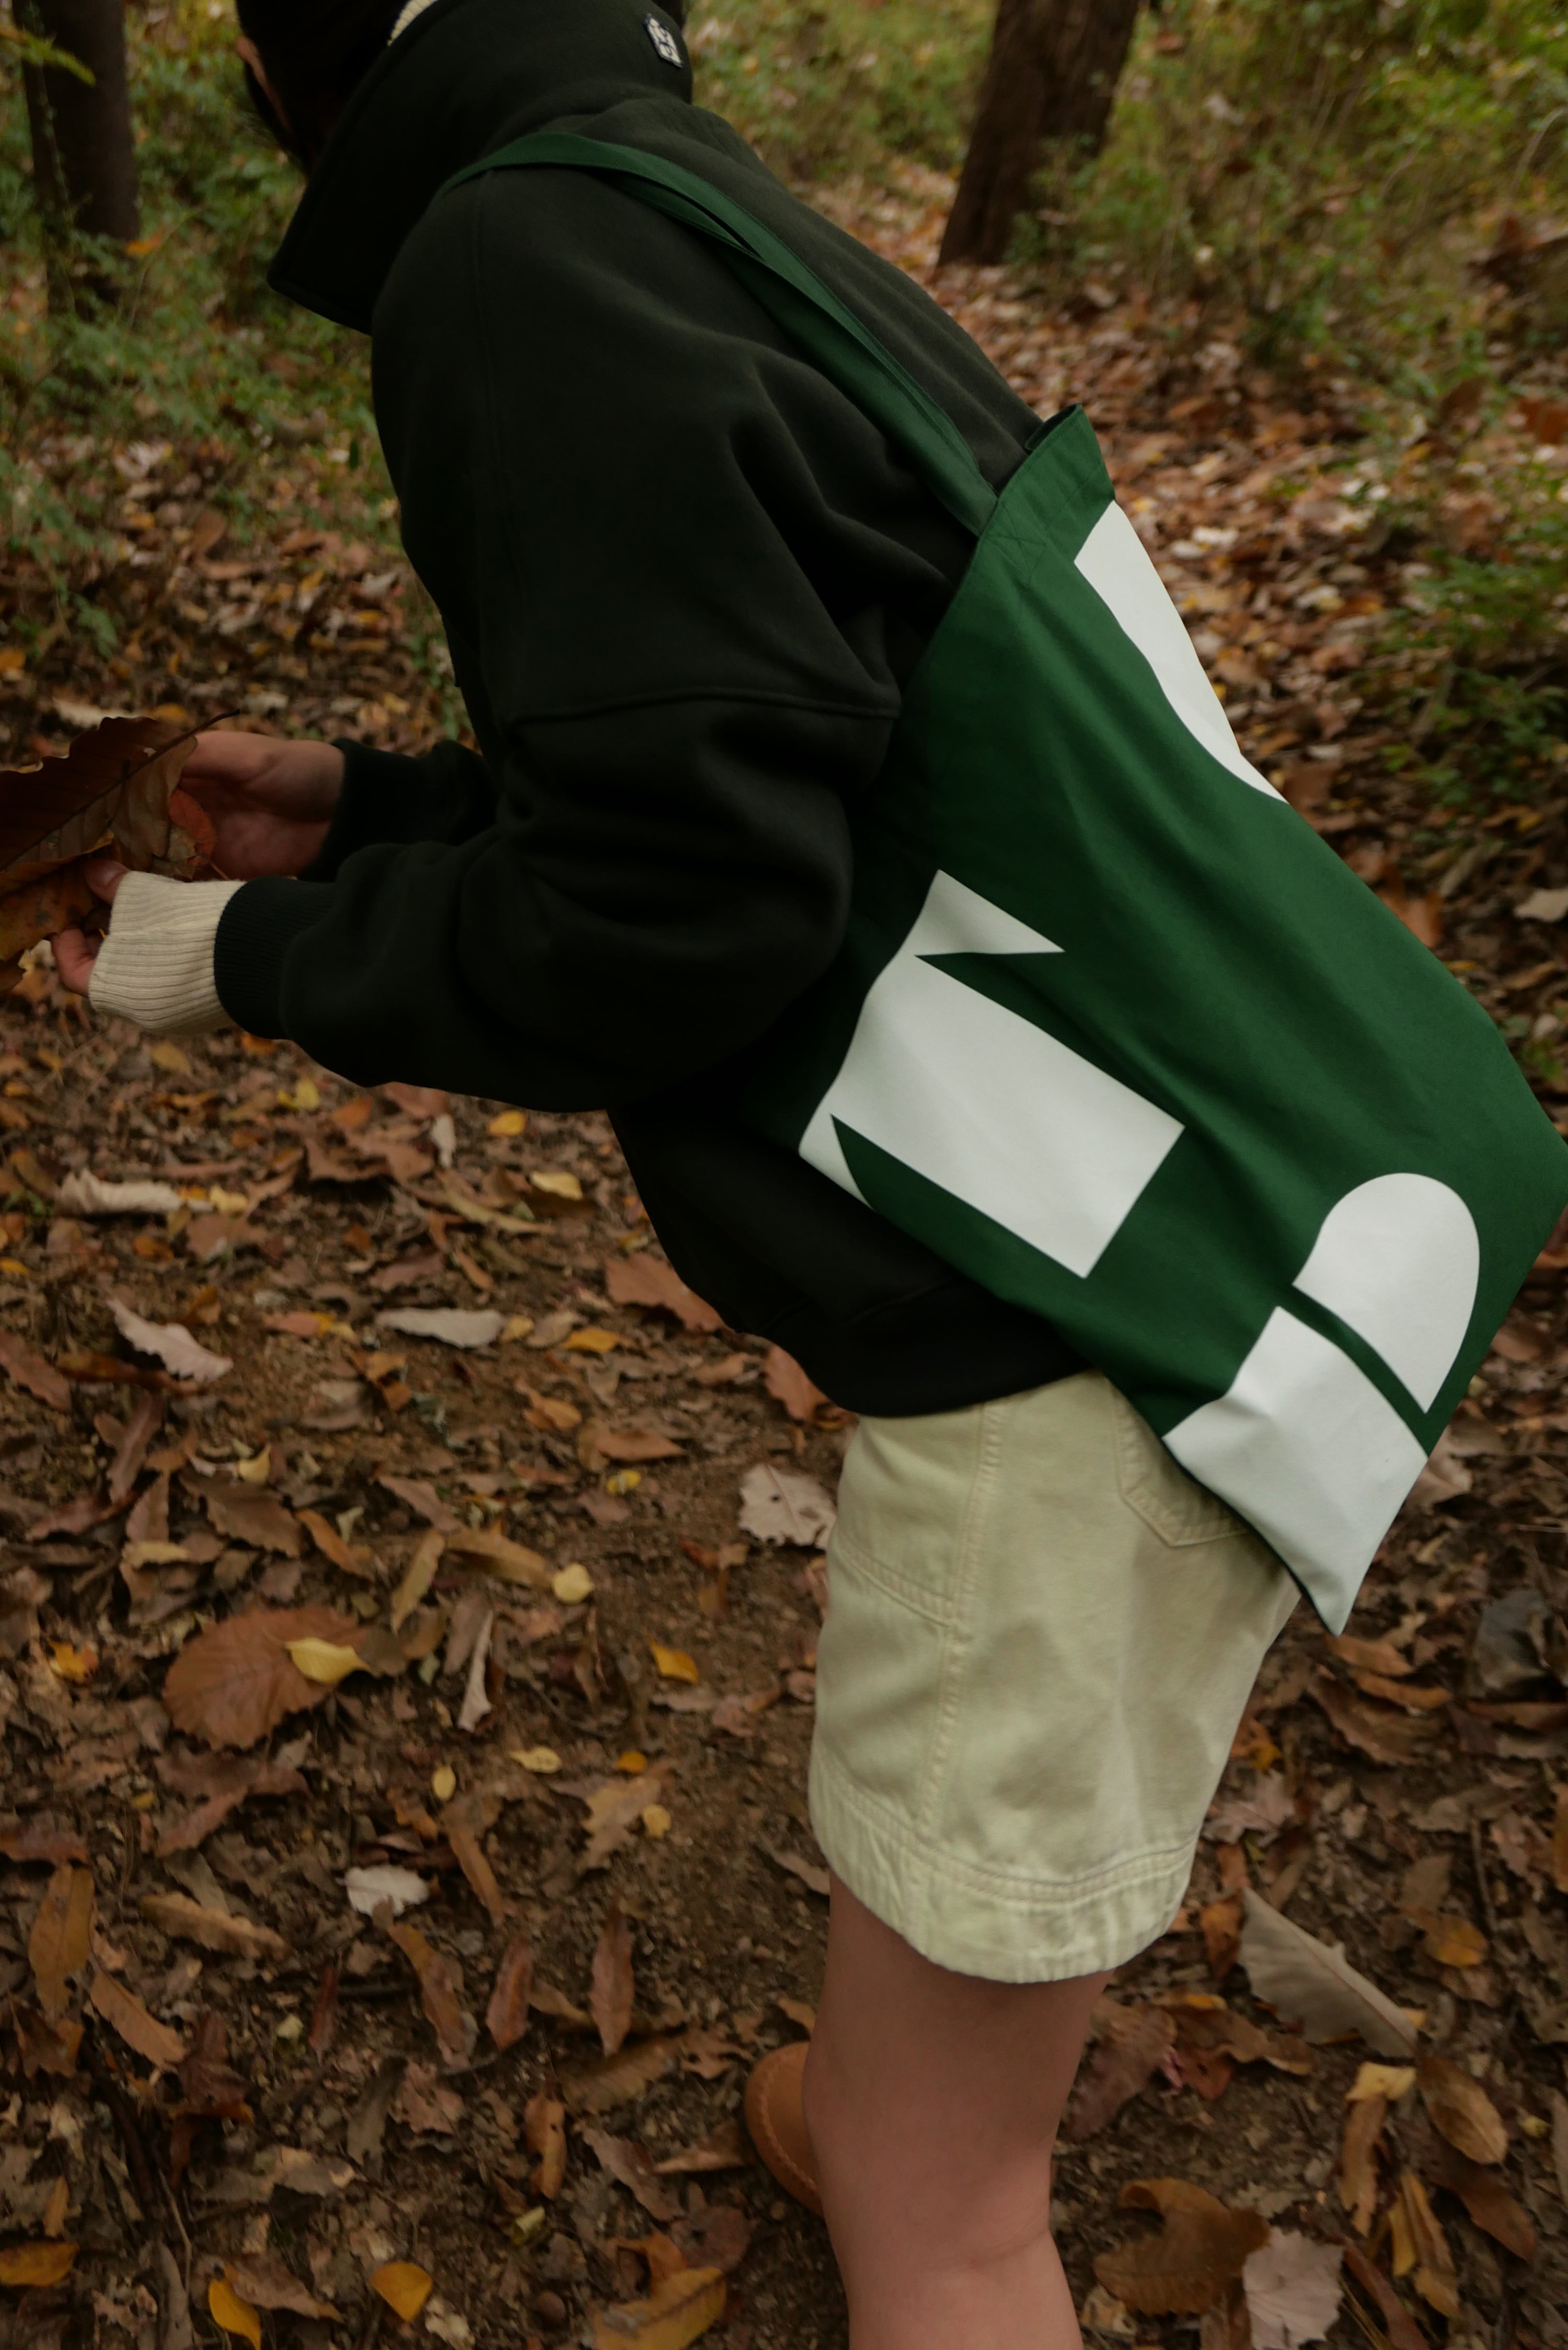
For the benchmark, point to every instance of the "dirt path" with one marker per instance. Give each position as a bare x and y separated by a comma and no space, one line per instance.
547,1752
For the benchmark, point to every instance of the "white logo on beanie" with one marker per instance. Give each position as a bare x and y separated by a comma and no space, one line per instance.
663,40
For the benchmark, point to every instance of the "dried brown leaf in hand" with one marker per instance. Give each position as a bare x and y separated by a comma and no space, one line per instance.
235,1681
1307,1982
1294,2290
677,2312
544,2132
212,1929
171,1344
647,1281
612,1997
1460,2110
632,2167
61,1936
1202,2249
140,2030
506,2017
1129,2045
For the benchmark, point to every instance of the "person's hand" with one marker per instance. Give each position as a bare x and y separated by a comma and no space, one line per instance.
269,802
75,951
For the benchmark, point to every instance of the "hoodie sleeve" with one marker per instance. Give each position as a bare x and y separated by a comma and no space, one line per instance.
446,794
675,567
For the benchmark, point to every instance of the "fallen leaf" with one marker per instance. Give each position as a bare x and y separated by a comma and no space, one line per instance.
613,1810
37,2266
1460,2110
1201,2248
777,1506
674,1664
815,1879
1307,1982
647,1281
612,1997
212,1929
258,1520
324,1660
1391,1738
224,1781
571,1585
30,1371
235,1681
631,2165
438,1991
234,2315
724,2148
676,2313
124,2014
620,2079
1219,1922
465,1822
452,1325
88,1195
1389,2081
1420,2246
61,1936
35,1843
171,1344
266,2283
404,2288
506,2017
629,1443
1358,2160
789,1385
1489,2203
1402,2330
1294,2290
1129,2043
508,1561
423,1500
1559,1841
541,1759
368,1887
1560,2142
545,2131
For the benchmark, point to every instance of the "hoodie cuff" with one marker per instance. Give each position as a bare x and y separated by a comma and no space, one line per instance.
155,966
260,924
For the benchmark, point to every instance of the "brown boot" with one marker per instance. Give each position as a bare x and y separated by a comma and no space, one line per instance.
775,2116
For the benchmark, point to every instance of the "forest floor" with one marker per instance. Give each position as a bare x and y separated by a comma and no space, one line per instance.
579,1554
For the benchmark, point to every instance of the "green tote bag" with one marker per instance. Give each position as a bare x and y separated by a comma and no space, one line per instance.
1111,1029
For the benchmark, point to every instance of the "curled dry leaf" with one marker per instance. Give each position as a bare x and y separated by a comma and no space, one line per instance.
1129,2042
508,1561
61,1936
123,2012
677,2312
612,1997
1307,1982
171,1344
506,2017
1461,2110
723,2148
1403,2332
1421,2249
621,2079
465,1822
647,1281
790,1386
545,2131
235,1681
632,2167
450,1326
404,2288
212,1929
1358,2160
1200,2250
37,2267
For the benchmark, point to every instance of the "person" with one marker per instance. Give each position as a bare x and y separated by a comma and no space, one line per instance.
686,582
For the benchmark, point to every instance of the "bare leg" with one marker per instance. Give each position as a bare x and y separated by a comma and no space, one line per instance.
933,2101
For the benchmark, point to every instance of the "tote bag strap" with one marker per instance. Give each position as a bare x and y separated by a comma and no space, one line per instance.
813,316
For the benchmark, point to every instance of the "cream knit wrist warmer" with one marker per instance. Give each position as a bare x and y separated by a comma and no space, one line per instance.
155,967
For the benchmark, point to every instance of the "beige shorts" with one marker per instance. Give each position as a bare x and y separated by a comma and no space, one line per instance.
1040,1638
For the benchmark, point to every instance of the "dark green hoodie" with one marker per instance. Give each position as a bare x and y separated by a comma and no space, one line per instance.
683,581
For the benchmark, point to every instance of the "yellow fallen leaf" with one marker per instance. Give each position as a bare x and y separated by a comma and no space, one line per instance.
12,659
624,1481
518,1327
656,1822
561,1186
72,1664
1534,2124
674,2314
511,1122
37,2265
543,1759
591,1341
633,1764
571,1585
15,1268
258,1468
227,1203
443,1783
324,1660
1390,2081
234,2315
403,2287
166,1055
674,1664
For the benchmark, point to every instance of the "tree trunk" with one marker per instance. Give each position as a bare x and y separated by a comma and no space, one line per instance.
1052,74
84,154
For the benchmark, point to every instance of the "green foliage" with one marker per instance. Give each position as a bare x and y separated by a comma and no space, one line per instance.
1334,169
198,352
826,87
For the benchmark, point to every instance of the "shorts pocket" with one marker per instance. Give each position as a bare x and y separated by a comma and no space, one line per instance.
1153,1482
